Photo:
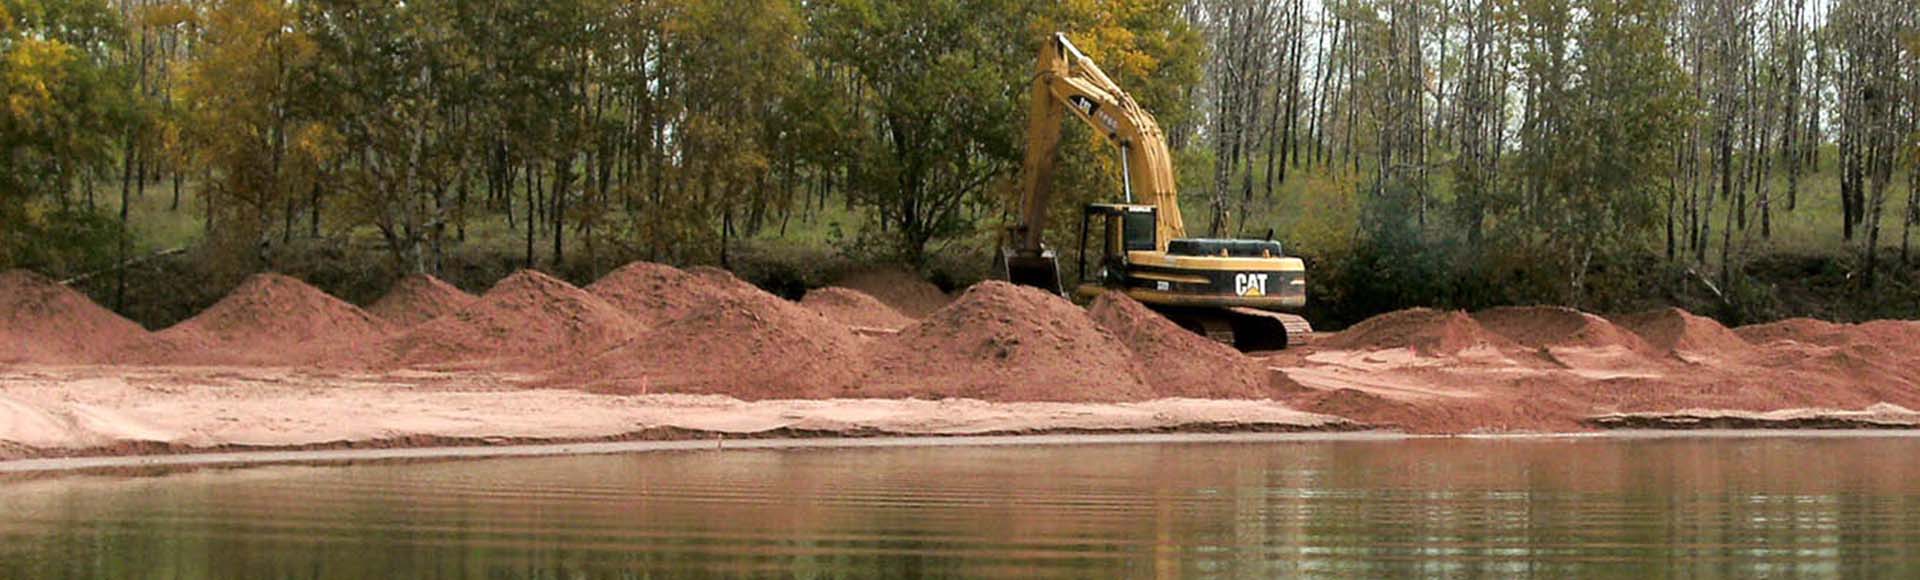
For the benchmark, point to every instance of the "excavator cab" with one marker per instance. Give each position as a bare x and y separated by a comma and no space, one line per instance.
1123,228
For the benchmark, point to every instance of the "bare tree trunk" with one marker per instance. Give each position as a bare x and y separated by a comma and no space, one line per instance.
562,174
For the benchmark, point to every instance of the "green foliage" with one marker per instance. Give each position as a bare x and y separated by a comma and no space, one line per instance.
61,240
64,106
259,135
1594,174
937,87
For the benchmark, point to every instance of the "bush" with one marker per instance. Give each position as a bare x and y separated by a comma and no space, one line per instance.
60,243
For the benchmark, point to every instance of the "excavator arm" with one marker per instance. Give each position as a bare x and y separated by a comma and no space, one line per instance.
1068,82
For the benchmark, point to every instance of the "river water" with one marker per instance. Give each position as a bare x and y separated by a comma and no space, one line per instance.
1549,507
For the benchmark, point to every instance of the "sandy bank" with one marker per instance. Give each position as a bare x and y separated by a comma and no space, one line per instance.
48,411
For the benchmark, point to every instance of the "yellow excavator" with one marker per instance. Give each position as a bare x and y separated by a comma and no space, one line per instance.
1232,290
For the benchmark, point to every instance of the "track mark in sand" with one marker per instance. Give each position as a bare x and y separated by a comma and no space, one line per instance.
1336,378
112,425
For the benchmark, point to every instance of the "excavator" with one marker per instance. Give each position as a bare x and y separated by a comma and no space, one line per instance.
1238,291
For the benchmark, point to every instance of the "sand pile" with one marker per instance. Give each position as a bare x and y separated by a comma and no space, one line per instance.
854,308
528,320
1000,342
419,298
1891,335
1175,362
1426,331
723,278
269,319
42,321
746,345
654,294
1896,335
910,294
1804,330
1557,326
1673,330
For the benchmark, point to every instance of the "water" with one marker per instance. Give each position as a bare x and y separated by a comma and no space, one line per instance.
1701,507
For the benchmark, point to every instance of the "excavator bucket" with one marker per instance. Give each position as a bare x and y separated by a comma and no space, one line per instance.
1039,271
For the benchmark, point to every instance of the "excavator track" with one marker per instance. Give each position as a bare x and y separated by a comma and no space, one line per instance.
1246,329
1257,330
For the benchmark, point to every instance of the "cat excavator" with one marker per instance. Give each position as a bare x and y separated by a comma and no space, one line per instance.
1237,291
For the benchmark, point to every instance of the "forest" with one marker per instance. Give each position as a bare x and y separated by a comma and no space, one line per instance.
1745,159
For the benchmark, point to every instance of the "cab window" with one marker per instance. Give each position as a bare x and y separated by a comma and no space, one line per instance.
1140,231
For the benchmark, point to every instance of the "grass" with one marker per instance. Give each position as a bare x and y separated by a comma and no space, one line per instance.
155,224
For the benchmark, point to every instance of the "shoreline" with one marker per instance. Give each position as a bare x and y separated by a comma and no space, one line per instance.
349,455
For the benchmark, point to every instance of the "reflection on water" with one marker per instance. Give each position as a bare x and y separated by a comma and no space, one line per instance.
1553,508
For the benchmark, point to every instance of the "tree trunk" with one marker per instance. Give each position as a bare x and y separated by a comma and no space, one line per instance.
532,189
562,175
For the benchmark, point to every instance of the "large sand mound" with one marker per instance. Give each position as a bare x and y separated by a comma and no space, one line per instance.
1175,362
1557,326
854,308
269,319
749,345
904,291
528,319
419,298
654,294
1674,330
1000,342
42,321
1426,331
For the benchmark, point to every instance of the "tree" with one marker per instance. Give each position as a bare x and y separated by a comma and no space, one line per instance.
1596,170
251,122
64,105
938,84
